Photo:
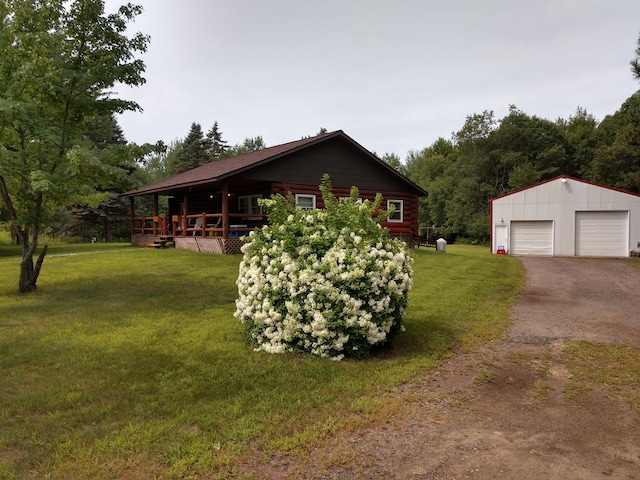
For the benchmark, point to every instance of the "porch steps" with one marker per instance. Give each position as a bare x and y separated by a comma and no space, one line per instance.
162,242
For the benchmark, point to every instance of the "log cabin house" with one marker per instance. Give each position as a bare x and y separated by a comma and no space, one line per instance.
210,207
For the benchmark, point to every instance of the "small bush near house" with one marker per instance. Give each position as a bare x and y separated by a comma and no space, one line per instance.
328,282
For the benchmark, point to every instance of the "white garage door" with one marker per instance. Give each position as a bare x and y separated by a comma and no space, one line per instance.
532,238
602,234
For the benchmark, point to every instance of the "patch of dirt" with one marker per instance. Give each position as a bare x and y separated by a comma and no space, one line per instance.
511,409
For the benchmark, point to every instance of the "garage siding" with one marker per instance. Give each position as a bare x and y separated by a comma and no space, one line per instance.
567,217
602,234
532,238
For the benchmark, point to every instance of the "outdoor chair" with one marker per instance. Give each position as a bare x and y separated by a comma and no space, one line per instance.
197,225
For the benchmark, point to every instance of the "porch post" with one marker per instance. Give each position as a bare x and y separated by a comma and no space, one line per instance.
132,214
155,214
225,209
185,212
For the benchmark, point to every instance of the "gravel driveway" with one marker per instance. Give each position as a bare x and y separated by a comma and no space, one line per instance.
578,298
504,411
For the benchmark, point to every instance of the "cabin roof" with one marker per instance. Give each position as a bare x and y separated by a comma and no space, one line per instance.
221,169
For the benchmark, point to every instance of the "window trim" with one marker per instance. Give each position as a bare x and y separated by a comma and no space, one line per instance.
306,196
397,211
249,198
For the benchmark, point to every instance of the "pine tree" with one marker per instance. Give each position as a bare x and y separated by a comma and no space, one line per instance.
111,215
194,151
217,147
635,63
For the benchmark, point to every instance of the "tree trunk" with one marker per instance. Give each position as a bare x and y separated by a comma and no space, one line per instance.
29,271
107,228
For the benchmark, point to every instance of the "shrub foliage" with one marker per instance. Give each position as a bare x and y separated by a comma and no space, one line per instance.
329,282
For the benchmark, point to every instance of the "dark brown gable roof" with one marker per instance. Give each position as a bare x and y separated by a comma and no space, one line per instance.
218,170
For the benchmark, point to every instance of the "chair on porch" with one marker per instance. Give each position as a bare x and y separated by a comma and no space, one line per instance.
216,223
197,225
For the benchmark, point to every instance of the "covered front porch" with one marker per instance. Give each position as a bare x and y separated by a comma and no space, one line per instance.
203,232
206,220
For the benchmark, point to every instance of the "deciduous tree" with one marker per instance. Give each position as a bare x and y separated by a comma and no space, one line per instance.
579,132
393,160
616,159
250,144
59,61
159,166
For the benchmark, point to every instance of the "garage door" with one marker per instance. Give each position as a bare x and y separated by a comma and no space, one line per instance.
602,234
532,238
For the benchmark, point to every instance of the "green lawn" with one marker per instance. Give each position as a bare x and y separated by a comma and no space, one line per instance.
128,363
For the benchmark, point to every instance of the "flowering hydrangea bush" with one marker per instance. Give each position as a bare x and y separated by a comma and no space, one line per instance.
329,282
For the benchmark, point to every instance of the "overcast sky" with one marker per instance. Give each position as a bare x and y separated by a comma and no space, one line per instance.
394,75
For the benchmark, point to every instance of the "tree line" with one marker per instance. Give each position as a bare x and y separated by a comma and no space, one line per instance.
487,158
196,149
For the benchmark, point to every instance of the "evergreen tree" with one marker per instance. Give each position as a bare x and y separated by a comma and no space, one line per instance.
104,131
217,147
635,63
194,152
111,216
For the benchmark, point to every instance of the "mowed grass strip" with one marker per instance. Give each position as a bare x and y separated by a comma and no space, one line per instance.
611,367
129,364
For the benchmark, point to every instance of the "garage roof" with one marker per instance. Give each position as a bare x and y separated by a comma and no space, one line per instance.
560,177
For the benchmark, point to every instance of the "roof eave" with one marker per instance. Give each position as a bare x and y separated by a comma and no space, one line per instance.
172,188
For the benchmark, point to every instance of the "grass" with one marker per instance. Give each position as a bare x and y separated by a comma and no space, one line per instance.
485,376
57,248
614,367
129,364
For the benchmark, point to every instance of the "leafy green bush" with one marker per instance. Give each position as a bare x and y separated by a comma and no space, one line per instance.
329,282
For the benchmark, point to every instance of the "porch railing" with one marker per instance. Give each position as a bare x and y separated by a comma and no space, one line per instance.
199,225
149,225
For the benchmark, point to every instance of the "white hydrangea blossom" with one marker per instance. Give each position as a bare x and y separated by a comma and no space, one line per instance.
330,292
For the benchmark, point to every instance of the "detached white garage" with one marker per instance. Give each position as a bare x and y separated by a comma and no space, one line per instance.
566,216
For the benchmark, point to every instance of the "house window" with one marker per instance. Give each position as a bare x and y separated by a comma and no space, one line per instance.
249,204
398,214
306,202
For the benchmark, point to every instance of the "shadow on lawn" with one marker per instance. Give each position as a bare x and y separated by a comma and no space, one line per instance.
127,293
